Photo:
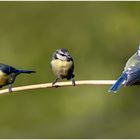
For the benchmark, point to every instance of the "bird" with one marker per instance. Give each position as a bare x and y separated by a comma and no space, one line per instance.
8,75
131,74
62,65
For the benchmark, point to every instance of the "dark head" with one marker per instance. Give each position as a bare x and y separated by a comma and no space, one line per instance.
62,54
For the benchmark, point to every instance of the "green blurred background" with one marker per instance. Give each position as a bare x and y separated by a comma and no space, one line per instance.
100,36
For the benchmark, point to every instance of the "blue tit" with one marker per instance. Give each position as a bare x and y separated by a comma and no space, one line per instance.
131,74
8,75
62,65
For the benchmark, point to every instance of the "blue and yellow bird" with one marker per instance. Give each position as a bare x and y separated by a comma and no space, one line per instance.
8,75
62,65
130,75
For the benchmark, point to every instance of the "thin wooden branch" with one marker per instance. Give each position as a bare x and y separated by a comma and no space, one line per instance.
60,84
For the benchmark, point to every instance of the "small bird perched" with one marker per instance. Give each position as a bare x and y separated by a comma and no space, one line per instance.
131,73
8,75
62,65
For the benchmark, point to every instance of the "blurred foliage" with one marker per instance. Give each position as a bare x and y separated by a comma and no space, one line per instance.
100,36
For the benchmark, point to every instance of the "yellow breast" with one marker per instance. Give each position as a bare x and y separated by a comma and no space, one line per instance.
3,78
60,67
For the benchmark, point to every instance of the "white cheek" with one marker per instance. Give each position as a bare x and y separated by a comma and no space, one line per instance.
61,57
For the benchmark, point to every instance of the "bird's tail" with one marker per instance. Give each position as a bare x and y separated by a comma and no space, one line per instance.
25,71
118,83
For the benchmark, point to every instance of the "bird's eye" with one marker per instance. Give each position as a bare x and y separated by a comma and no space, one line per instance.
62,54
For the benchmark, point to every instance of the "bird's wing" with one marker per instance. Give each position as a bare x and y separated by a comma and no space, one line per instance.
7,69
133,76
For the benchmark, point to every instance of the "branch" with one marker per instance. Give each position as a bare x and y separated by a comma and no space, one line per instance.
60,84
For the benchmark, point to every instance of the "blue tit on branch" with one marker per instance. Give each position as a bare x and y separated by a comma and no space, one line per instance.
62,65
8,75
131,74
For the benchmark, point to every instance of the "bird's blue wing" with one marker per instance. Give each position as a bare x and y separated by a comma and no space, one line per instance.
133,76
7,69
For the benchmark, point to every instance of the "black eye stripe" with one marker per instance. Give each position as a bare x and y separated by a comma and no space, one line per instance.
62,54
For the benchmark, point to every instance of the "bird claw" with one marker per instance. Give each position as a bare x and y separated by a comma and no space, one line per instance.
56,86
73,82
10,88
53,84
55,81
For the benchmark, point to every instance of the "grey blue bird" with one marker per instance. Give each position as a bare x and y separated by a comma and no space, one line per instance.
62,65
8,75
131,74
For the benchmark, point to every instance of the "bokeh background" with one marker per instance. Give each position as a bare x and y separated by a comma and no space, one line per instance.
100,36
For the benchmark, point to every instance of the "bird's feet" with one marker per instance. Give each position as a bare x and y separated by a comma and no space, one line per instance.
10,88
73,82
55,81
